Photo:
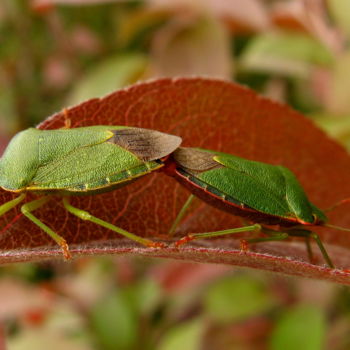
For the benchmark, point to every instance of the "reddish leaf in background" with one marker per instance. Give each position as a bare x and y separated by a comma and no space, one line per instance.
211,114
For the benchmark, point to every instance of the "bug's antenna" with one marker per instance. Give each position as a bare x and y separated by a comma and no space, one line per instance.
337,227
343,201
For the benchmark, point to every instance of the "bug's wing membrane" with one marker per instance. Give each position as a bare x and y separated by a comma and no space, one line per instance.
146,144
195,160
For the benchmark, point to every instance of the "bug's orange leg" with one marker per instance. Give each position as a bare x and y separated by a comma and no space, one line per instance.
84,215
67,121
243,245
31,206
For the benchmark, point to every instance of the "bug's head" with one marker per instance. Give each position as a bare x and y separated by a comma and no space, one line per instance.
20,160
318,215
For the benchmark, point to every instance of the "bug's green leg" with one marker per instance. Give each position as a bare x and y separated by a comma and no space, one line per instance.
31,206
278,236
309,250
180,215
316,237
11,204
84,215
193,236
273,236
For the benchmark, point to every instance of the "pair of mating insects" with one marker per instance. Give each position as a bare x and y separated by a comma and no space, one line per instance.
91,160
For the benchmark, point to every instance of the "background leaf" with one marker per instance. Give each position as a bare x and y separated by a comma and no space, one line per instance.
187,335
236,298
300,328
109,75
286,53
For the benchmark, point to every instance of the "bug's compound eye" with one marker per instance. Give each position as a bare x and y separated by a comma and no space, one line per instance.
315,218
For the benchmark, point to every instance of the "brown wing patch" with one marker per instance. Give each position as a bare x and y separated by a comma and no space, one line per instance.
195,160
146,144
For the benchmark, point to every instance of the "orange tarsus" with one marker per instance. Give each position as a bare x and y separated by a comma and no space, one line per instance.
184,240
66,253
67,121
156,245
244,246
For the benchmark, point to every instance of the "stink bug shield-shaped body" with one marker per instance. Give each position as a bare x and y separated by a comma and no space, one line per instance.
80,161
262,193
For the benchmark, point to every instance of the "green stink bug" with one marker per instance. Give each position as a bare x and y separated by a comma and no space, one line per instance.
80,161
262,193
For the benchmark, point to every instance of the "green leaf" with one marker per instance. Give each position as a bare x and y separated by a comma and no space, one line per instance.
300,328
339,102
236,298
39,338
338,127
144,296
340,11
284,53
186,336
109,75
114,322
8,117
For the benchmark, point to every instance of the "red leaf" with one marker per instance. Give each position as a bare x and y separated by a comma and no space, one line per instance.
211,114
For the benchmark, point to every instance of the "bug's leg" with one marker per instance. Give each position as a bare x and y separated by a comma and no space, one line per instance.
309,249
336,205
278,236
67,121
11,204
180,215
310,234
272,236
194,236
27,211
84,215
275,236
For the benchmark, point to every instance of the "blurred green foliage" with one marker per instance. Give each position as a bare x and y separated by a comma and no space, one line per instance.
236,299
302,327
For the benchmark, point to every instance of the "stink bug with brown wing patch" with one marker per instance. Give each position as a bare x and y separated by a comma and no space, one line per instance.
80,161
